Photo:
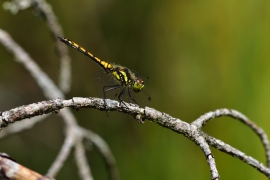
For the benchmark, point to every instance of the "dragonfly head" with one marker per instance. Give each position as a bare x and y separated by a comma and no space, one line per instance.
138,85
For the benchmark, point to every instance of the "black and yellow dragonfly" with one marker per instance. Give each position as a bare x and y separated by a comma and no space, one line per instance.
124,77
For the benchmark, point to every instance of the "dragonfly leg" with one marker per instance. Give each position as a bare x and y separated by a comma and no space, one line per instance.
131,97
105,90
121,96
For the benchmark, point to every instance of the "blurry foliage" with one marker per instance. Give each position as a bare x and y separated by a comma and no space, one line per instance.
200,56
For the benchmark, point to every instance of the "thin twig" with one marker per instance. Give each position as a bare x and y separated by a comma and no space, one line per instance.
105,151
56,30
42,8
17,5
220,145
63,154
201,121
200,140
45,83
72,135
81,160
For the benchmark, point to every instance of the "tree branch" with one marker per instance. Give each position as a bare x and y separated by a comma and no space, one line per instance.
201,121
12,170
189,130
81,160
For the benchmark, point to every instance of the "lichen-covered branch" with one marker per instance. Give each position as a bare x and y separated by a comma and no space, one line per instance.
201,121
141,114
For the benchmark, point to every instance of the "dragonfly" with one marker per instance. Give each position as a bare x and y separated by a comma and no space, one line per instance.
124,77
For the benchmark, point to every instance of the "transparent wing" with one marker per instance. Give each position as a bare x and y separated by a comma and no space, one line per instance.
102,79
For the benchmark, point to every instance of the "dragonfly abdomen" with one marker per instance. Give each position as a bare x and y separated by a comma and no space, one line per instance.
105,65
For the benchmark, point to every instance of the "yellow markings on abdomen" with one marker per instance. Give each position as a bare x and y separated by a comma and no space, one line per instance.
105,65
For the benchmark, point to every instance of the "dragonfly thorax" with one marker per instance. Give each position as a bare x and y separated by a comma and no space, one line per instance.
127,78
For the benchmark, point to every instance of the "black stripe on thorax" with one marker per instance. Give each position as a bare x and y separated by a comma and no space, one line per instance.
122,76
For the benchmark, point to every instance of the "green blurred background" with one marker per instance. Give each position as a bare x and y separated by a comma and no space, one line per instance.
199,55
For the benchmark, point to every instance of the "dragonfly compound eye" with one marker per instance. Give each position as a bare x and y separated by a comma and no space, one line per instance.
138,85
